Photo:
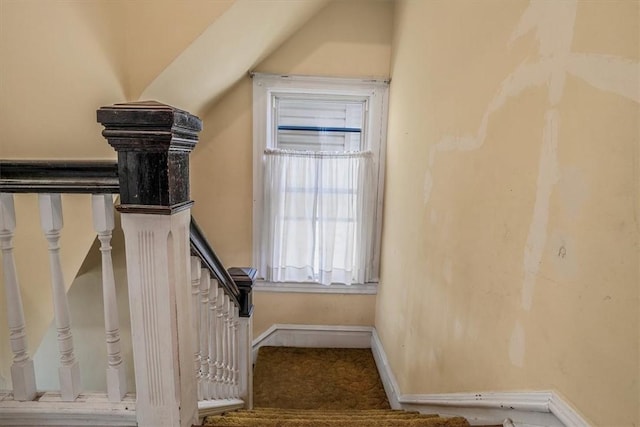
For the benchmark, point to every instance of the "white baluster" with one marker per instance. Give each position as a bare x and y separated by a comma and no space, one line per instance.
219,337
213,302
69,370
227,346
203,377
230,339
22,371
229,382
195,318
103,224
245,337
236,353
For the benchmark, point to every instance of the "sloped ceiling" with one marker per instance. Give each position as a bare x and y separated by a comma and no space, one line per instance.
239,39
155,33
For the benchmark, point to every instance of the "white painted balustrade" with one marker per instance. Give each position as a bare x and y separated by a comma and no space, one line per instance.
217,358
22,369
221,351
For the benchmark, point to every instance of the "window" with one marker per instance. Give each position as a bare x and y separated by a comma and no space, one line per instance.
318,171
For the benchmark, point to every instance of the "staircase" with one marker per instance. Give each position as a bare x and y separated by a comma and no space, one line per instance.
298,387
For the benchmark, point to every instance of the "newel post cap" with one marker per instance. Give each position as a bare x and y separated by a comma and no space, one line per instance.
153,142
244,278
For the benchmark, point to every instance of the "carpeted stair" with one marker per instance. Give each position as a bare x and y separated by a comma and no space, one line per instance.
312,387
274,417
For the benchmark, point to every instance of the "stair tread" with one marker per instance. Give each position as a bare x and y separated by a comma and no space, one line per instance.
332,417
308,411
332,414
313,418
373,422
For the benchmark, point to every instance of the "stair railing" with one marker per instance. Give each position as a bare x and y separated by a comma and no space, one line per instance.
221,302
190,318
49,180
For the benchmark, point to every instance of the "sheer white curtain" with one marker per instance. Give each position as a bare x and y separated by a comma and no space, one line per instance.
315,227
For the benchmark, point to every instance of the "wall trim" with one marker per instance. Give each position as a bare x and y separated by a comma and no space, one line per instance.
560,407
327,336
518,408
316,288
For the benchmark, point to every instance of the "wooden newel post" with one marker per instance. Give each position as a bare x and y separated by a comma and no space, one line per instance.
245,279
153,142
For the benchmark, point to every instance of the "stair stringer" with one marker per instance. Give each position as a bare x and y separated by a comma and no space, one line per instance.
517,409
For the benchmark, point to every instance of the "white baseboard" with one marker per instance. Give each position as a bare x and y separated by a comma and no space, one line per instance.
316,288
519,409
319,336
565,412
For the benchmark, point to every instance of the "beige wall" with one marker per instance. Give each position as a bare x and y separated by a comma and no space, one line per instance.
510,240
344,39
60,62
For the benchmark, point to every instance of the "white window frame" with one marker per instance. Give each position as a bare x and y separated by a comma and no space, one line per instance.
376,91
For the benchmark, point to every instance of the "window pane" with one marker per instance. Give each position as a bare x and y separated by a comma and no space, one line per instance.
319,124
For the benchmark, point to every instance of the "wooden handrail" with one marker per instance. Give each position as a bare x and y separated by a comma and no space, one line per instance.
58,176
94,177
201,248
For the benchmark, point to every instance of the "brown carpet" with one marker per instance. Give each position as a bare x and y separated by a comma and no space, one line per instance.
314,387
317,378
348,418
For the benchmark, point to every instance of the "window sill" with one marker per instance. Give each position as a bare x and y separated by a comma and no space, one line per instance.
316,288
